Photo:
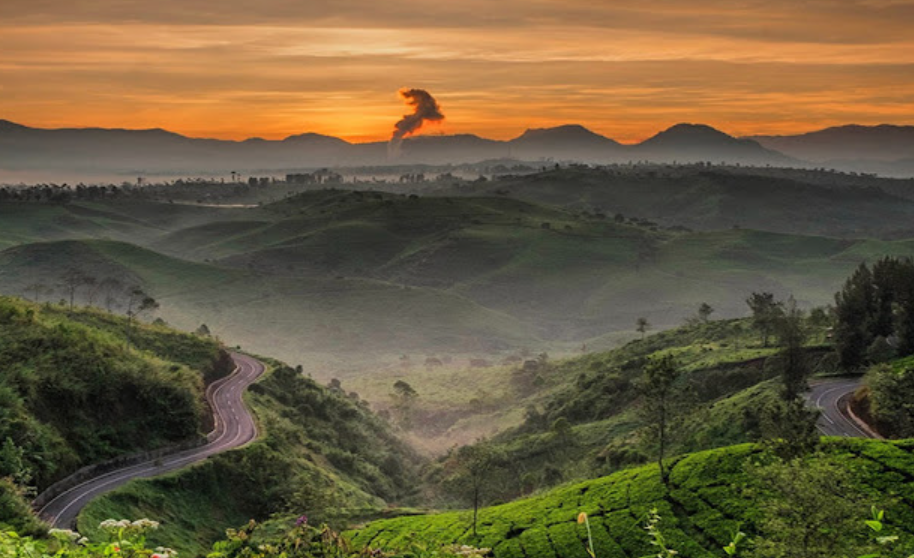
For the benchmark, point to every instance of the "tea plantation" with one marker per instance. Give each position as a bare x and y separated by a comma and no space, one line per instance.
702,508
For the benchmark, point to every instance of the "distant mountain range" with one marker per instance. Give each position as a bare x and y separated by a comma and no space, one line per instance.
885,149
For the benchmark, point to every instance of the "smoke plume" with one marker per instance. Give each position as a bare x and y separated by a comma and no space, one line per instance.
425,108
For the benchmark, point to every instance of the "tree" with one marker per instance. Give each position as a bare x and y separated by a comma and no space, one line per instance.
808,508
13,464
404,397
138,304
795,369
788,424
473,469
891,399
765,312
110,290
641,326
854,309
37,290
71,280
659,404
203,331
704,312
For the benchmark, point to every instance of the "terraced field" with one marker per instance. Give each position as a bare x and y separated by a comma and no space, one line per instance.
700,511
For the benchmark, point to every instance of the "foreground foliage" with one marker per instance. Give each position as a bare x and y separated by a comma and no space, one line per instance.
703,507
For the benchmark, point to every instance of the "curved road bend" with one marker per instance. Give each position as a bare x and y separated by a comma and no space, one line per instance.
234,427
830,396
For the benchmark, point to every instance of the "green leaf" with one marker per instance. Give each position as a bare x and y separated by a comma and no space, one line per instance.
874,525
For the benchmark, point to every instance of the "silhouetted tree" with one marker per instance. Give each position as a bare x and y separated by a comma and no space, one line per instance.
404,396
71,280
110,290
659,405
704,312
641,326
473,470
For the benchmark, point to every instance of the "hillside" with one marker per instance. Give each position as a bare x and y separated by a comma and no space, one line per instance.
551,421
321,453
850,143
696,142
700,511
367,287
83,387
704,198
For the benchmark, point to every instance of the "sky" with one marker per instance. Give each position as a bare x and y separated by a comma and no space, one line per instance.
627,69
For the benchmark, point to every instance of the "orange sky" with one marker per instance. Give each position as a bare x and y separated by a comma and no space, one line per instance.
625,68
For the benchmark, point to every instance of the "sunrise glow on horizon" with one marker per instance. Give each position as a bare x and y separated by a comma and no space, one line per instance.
626,69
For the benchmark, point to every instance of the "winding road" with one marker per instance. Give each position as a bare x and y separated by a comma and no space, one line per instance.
234,427
831,396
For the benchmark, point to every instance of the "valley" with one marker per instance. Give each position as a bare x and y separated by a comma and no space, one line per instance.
432,321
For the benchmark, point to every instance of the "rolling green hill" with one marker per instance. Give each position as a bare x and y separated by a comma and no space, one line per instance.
322,453
78,388
705,198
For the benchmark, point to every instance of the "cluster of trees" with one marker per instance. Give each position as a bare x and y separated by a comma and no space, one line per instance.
108,293
57,193
787,424
875,313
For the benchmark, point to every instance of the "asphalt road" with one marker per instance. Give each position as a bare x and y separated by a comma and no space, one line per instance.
830,396
234,427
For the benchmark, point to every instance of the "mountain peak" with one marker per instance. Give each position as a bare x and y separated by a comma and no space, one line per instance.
566,132
692,131
313,137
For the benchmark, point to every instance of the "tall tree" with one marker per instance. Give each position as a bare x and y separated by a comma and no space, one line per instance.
790,426
111,291
854,310
473,472
404,397
660,404
138,304
71,280
765,313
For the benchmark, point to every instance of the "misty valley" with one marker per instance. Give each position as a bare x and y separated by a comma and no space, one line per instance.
437,337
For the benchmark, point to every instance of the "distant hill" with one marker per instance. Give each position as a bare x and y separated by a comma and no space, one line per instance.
159,151
572,142
846,143
697,142
718,198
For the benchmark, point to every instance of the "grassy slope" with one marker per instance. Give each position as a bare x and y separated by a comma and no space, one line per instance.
576,280
714,199
485,261
79,394
324,315
74,391
726,380
700,511
314,440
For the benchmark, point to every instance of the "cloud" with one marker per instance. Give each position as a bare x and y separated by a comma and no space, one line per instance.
624,68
